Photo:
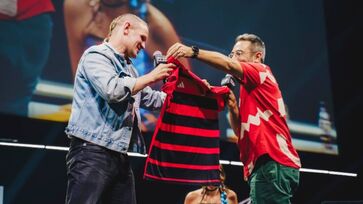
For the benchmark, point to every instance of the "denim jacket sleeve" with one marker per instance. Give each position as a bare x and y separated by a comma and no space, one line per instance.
101,73
151,99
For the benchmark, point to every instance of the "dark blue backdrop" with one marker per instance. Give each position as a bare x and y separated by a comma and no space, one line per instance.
38,176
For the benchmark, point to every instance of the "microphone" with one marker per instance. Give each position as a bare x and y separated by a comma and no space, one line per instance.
229,81
159,58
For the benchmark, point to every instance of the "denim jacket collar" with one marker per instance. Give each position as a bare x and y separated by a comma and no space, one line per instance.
119,56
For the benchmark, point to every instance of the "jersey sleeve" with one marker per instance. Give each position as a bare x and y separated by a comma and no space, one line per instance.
252,74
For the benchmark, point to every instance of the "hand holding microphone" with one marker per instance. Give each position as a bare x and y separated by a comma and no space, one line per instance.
159,58
231,101
161,68
229,81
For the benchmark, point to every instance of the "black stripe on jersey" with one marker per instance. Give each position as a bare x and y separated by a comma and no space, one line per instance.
193,100
183,173
187,121
190,140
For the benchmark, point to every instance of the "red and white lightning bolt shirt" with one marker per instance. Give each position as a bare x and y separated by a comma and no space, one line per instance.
263,119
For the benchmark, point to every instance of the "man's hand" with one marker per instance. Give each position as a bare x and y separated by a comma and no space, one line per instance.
231,101
161,72
206,83
233,115
179,50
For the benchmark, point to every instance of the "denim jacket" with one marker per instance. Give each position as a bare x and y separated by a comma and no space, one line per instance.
103,109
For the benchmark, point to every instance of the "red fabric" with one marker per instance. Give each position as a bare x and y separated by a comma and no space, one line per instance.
30,8
185,144
264,128
175,180
186,148
189,130
189,166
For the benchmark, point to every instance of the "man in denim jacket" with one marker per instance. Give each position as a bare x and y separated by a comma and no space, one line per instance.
105,114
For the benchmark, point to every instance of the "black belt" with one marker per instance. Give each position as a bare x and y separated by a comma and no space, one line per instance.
76,140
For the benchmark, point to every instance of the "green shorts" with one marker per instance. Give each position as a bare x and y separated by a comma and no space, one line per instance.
272,182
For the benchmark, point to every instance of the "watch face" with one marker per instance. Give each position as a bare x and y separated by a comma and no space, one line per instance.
195,51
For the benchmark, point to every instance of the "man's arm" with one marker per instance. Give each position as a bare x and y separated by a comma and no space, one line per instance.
215,59
233,116
160,72
101,74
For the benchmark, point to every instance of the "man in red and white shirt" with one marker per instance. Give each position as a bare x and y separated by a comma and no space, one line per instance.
271,163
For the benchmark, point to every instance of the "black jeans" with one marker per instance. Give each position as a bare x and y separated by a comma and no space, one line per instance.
97,175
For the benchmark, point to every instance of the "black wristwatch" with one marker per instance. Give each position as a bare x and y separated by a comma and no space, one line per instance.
195,51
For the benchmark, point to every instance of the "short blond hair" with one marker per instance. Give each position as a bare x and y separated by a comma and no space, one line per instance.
121,19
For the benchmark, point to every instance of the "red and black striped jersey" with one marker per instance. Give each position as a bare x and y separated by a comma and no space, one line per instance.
185,144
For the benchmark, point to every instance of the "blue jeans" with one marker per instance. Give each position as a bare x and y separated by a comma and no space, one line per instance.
98,175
